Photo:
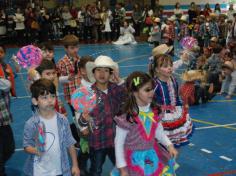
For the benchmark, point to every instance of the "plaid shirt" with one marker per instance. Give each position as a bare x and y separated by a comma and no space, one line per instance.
66,140
108,106
5,114
66,67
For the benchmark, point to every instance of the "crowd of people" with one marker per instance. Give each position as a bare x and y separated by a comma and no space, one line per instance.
137,122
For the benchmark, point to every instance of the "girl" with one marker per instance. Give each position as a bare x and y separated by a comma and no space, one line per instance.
126,35
176,121
137,152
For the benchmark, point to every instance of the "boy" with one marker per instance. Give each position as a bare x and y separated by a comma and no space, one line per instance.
82,133
58,141
110,97
7,144
47,70
67,68
48,51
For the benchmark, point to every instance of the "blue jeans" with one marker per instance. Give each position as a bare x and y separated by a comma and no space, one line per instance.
98,157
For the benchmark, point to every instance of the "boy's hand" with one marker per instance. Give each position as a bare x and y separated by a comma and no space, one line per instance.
85,115
173,152
75,171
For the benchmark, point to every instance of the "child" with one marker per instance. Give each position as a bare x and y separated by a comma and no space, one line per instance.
67,68
47,70
48,52
229,84
176,121
53,158
126,35
110,98
184,30
83,132
7,143
213,68
137,153
169,31
155,34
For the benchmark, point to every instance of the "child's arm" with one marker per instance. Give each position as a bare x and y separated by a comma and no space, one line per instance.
5,85
75,169
119,149
164,140
29,139
32,150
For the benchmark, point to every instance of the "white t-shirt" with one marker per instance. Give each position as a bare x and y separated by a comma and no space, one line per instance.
49,164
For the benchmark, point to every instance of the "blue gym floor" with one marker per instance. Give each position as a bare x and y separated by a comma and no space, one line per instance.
212,149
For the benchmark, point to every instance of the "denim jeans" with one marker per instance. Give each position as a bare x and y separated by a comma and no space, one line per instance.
98,157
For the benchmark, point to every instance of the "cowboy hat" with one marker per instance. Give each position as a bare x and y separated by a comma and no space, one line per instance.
157,20
228,65
214,39
183,18
172,18
193,75
161,49
100,61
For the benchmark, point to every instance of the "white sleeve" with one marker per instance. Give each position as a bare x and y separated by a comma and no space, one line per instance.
119,147
161,136
76,118
63,79
177,64
5,85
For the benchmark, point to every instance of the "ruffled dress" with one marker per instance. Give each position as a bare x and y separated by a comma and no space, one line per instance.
176,121
139,152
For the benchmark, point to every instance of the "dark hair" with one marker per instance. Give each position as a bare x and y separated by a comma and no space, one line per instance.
159,61
47,46
217,49
83,61
3,47
45,65
130,105
42,87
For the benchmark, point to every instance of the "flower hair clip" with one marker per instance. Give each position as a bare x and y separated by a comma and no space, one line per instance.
136,81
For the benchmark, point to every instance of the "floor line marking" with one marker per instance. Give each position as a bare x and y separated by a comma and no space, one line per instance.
206,151
213,124
132,58
226,158
221,101
223,173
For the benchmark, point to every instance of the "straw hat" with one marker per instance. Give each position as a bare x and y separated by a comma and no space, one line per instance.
193,75
100,61
172,18
228,65
214,39
157,20
161,49
183,18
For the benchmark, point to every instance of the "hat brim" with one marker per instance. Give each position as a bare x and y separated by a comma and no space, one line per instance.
90,66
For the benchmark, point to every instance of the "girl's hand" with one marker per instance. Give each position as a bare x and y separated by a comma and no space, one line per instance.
173,152
123,172
75,171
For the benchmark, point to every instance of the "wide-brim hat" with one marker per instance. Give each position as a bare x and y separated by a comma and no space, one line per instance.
157,20
161,49
228,65
214,39
172,18
184,18
100,61
193,75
